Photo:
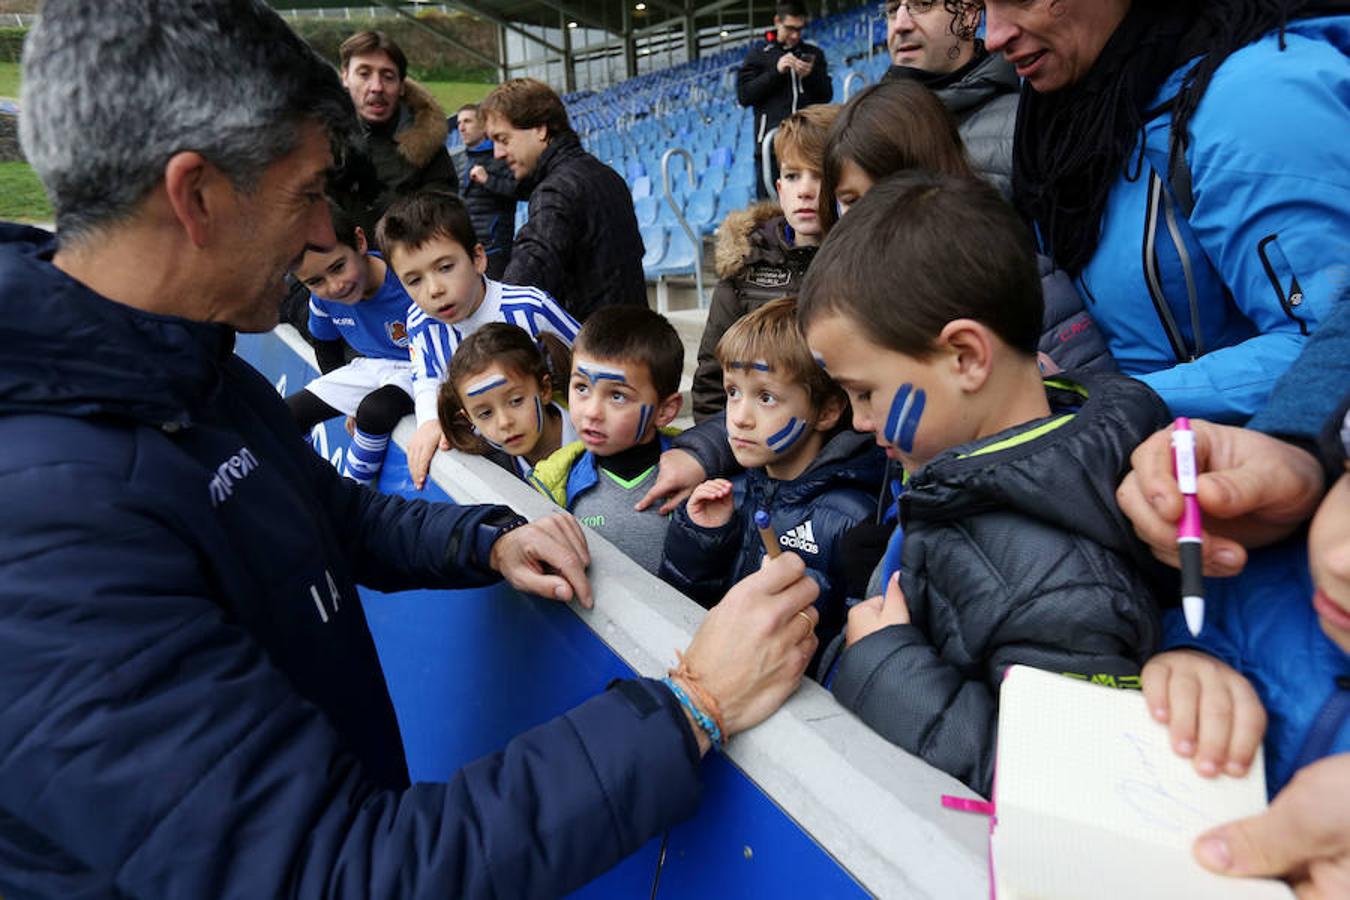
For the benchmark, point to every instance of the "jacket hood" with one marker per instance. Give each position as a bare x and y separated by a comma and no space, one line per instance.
994,75
756,235
66,350
422,128
1066,477
734,236
848,459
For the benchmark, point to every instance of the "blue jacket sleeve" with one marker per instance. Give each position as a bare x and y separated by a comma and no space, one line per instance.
146,735
1306,396
707,443
395,544
698,561
1265,217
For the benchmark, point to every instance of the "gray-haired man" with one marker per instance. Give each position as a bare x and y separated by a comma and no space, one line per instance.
190,702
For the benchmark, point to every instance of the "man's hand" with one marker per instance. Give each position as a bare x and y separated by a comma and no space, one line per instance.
423,446
1253,490
478,175
711,504
677,474
1212,713
752,648
547,558
1304,837
870,616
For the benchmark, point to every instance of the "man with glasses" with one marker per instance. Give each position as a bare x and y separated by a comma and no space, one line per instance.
930,42
780,77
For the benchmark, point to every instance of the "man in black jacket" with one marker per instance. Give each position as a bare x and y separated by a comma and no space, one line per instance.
404,126
489,191
581,243
780,77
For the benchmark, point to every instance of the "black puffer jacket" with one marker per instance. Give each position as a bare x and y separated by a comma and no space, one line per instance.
809,514
492,204
756,264
581,244
1014,552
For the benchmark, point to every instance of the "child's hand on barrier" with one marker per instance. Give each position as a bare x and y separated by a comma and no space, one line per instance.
422,448
870,616
1212,712
711,504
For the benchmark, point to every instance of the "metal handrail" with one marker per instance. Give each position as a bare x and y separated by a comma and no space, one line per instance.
848,81
694,239
766,165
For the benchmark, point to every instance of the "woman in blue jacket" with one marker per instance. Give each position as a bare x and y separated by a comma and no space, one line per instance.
1189,164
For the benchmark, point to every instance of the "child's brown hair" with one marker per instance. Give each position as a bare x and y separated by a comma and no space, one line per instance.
546,360
771,336
800,141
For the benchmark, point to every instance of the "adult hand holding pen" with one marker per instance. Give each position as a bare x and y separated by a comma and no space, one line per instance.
1253,490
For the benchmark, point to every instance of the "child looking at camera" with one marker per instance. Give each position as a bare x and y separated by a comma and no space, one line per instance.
497,399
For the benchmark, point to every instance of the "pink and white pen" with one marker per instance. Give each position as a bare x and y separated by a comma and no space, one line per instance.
1189,530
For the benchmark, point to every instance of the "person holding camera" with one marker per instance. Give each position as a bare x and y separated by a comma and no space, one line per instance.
779,77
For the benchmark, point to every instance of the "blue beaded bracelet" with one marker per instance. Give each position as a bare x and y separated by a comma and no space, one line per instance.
704,721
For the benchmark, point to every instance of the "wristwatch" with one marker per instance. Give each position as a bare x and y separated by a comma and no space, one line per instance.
490,529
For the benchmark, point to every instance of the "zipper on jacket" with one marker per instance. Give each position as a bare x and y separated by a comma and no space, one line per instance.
1151,277
1192,298
1294,298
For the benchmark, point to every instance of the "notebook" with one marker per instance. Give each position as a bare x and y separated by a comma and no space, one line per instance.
1091,801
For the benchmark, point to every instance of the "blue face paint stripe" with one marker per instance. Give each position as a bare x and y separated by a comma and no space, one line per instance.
644,419
902,424
759,365
596,373
820,360
482,387
489,441
789,435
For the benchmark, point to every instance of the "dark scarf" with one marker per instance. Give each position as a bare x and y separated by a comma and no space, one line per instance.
1071,145
936,81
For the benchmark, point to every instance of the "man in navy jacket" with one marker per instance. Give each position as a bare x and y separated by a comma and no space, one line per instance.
190,701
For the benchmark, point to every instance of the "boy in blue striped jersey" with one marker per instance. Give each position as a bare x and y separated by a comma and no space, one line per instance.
429,240
355,301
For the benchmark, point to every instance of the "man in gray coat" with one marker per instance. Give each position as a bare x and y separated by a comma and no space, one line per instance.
928,43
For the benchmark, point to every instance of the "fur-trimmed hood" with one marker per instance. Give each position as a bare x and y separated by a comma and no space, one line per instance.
744,232
422,126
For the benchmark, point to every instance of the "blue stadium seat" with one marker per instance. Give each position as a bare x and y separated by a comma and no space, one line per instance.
522,215
642,187
720,156
714,178
633,170
654,242
702,210
680,255
647,209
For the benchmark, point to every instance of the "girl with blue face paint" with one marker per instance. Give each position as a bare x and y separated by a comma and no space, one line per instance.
497,399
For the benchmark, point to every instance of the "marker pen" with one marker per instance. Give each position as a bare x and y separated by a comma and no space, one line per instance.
1189,546
766,533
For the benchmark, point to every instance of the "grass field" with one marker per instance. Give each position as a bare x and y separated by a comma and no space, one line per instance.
21,196
9,79
454,94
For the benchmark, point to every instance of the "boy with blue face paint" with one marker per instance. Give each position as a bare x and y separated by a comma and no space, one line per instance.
924,304
812,476
623,391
